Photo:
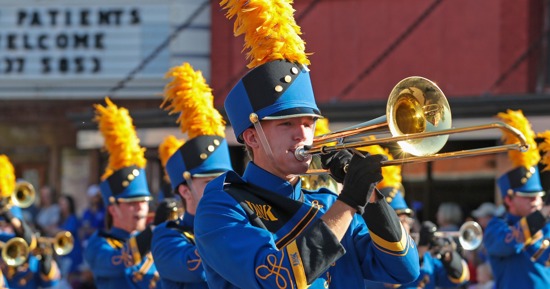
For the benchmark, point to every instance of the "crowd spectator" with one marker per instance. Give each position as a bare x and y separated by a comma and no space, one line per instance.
47,217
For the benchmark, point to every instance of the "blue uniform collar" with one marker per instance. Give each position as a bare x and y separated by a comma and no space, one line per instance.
264,179
119,233
187,220
512,218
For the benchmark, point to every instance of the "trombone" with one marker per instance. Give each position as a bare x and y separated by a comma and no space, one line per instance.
418,117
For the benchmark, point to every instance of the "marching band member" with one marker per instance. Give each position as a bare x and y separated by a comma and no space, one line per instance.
448,271
517,243
262,230
119,256
39,270
190,165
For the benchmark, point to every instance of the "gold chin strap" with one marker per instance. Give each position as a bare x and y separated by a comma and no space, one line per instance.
263,139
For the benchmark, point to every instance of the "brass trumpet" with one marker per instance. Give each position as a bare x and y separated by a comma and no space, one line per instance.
470,235
418,117
24,194
15,251
62,243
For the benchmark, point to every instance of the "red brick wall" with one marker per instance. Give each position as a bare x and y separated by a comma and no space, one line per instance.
465,46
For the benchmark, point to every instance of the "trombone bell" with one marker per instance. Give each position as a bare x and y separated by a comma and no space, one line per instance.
417,105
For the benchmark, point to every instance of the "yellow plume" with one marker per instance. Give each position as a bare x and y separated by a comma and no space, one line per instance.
7,177
189,95
168,147
516,119
544,148
270,31
121,141
321,126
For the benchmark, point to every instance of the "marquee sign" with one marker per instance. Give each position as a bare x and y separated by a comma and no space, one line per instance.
91,40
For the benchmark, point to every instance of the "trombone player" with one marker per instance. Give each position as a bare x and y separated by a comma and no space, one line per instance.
28,270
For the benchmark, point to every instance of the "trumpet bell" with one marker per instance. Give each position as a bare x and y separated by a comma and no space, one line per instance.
15,252
470,235
23,195
63,243
418,105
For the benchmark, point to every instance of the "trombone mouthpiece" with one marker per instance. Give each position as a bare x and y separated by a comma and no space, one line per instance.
300,153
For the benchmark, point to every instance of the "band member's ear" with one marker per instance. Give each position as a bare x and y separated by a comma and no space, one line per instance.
250,138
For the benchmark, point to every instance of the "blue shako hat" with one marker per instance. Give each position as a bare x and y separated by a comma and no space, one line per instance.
124,179
395,198
128,184
202,156
522,182
524,178
274,90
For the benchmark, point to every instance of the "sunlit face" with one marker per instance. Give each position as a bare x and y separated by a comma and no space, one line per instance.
284,137
522,206
192,197
130,216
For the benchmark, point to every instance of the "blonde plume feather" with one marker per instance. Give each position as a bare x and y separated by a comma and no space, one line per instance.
167,148
516,119
189,95
269,28
321,127
121,141
544,148
7,177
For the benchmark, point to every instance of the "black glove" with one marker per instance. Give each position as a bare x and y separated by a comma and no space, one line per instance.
143,240
46,258
426,235
335,162
360,180
166,210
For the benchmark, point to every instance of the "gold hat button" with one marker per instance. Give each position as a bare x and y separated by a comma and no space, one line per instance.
135,172
211,148
294,70
216,142
278,88
125,183
288,78
203,156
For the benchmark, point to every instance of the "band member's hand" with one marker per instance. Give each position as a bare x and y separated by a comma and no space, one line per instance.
360,180
426,235
336,163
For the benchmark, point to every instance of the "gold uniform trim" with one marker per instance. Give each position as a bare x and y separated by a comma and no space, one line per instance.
53,274
135,251
465,274
297,265
525,229
114,243
399,246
